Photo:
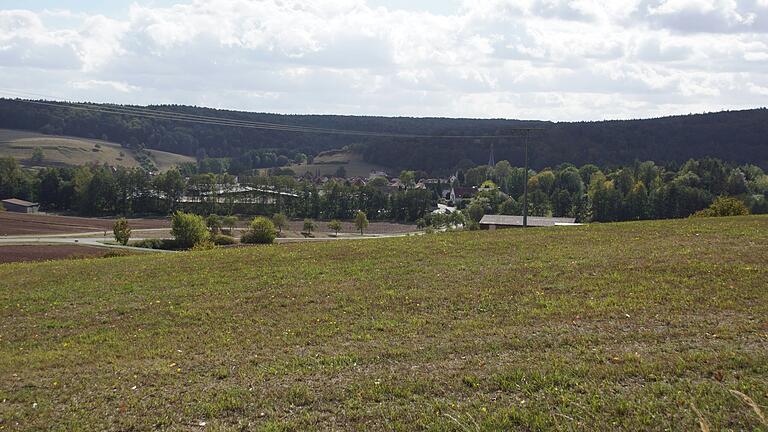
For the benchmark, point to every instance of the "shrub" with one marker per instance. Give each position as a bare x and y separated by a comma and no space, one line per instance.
204,245
122,231
230,222
214,223
309,225
188,229
471,225
724,206
37,155
116,254
164,244
223,240
262,231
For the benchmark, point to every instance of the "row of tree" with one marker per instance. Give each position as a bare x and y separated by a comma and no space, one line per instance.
100,190
642,190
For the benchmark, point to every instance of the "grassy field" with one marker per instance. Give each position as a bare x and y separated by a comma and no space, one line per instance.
327,163
632,326
58,151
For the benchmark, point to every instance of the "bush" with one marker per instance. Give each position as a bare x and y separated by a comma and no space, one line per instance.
122,231
204,245
471,225
230,222
116,253
37,155
309,225
724,206
262,231
164,244
223,240
214,223
188,229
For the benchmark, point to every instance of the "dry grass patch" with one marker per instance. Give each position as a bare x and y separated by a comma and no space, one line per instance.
617,326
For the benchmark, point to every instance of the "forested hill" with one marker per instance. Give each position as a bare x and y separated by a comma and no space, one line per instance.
736,136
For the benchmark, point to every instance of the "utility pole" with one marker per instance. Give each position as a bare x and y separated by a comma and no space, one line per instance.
525,183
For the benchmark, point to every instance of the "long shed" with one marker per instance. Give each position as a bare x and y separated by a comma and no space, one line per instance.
493,222
20,205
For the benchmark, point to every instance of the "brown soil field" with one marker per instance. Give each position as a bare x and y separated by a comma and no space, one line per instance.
22,253
31,224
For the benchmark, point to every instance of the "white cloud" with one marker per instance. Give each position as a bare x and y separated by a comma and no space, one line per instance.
546,59
96,84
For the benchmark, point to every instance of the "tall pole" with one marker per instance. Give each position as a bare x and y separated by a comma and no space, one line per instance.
525,183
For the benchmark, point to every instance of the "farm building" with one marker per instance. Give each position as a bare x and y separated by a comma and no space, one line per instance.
492,222
20,206
459,194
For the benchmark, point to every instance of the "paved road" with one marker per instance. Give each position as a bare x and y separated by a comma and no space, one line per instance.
82,241
98,239
92,239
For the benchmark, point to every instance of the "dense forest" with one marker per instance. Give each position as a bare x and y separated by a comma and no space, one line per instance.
735,136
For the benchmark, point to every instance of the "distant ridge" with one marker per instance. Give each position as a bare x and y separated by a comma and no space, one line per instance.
734,136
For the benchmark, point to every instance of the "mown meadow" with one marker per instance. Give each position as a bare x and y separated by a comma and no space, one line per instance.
658,325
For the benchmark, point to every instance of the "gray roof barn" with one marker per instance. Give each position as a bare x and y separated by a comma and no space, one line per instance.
517,221
19,205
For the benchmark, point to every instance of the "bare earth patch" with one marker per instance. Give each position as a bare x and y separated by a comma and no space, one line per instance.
31,224
24,253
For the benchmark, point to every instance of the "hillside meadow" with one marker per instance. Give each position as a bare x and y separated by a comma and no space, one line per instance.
328,163
630,326
71,151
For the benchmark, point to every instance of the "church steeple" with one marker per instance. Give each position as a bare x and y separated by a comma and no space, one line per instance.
491,159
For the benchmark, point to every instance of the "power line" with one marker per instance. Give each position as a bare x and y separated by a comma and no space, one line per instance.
219,121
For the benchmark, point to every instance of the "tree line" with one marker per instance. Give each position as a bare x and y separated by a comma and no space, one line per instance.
101,190
643,190
734,136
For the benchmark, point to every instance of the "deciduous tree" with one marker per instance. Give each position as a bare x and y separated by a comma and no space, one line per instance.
361,221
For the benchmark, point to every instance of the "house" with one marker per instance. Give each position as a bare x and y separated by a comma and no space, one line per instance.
20,206
458,194
375,173
492,222
443,209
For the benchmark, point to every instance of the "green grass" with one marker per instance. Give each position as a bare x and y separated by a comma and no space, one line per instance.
632,326
71,151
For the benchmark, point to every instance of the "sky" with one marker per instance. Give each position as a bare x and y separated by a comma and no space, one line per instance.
561,60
